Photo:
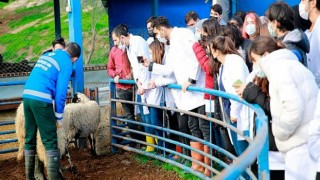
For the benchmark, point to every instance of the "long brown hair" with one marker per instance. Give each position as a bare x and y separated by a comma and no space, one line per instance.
263,84
158,50
263,44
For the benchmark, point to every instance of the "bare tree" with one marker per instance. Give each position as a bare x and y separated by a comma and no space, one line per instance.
93,30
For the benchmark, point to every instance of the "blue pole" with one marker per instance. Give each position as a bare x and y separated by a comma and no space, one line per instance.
75,35
113,113
155,7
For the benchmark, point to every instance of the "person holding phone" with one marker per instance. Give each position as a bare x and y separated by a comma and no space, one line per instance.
233,69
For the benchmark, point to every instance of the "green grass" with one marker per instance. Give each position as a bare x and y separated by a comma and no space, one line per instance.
168,167
31,42
2,4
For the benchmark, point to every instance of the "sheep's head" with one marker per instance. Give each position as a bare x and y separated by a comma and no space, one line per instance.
80,98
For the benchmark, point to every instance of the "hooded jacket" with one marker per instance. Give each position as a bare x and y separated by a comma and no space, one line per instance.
292,89
297,40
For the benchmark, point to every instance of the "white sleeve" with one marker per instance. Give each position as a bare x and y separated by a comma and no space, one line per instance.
164,80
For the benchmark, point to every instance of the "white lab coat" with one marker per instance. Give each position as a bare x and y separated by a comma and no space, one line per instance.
314,54
139,47
235,68
183,64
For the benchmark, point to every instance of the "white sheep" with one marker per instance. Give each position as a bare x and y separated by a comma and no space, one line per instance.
82,117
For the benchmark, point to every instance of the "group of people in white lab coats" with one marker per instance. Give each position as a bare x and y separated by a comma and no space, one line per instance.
284,80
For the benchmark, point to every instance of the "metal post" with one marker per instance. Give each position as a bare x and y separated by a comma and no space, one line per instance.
57,21
155,7
75,35
113,113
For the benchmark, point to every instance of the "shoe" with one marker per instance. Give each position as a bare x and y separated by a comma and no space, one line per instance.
39,169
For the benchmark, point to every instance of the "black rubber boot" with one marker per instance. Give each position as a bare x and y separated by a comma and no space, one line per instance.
29,163
39,169
53,164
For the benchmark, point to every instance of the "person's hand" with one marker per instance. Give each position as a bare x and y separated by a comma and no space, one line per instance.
116,79
146,62
129,76
239,89
233,120
141,91
185,86
152,84
59,124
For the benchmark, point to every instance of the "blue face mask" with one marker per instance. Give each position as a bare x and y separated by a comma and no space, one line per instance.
192,28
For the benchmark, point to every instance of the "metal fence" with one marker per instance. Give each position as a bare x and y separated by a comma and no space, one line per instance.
257,149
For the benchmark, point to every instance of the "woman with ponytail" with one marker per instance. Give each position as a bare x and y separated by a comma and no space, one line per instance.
292,90
233,68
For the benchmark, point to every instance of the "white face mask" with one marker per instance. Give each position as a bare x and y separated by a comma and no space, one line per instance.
161,39
251,29
257,71
122,45
197,34
272,31
302,11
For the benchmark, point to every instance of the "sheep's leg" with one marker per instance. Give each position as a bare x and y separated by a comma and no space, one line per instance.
92,144
73,169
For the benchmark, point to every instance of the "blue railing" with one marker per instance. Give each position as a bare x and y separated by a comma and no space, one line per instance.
257,149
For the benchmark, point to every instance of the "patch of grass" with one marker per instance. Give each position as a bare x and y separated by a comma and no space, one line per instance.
2,4
32,41
168,167
35,8
25,20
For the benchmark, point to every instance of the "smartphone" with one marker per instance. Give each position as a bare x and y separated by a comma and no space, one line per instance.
140,59
237,83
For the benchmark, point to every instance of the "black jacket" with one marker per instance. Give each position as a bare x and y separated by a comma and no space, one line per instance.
253,94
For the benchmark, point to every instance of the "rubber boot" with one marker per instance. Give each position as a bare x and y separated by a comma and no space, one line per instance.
178,150
39,169
207,161
150,140
53,164
29,163
197,156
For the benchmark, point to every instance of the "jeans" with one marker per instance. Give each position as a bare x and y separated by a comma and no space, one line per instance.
155,118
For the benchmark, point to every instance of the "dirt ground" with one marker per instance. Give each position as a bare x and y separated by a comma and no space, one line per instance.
120,166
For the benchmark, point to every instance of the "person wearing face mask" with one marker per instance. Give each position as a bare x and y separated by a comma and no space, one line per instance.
151,34
292,103
216,12
191,19
135,46
182,63
251,26
210,28
310,9
233,68
281,26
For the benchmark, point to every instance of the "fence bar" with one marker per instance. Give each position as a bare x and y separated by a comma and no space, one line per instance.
11,83
6,123
7,132
9,150
9,103
8,141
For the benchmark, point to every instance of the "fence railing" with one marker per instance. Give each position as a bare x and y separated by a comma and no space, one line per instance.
257,149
